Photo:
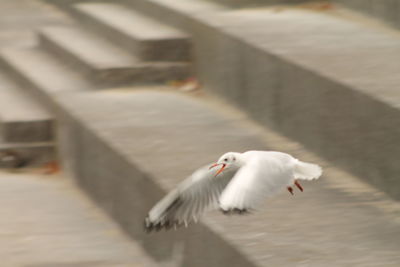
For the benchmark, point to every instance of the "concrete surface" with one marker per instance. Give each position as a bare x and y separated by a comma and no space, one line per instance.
22,118
293,69
297,76
40,73
143,36
251,3
105,63
47,222
19,112
385,10
91,60
133,154
19,19
23,154
126,148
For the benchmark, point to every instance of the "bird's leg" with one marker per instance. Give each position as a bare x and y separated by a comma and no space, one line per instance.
298,185
290,189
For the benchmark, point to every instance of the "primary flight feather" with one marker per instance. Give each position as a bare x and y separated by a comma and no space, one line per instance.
236,183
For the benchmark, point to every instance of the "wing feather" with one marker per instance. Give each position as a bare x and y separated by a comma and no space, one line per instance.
195,195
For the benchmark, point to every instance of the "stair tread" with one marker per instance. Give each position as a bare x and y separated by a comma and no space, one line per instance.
44,70
129,21
93,50
17,105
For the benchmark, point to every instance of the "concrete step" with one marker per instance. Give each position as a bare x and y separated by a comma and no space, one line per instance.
128,147
19,155
105,63
22,118
40,72
42,213
145,37
293,69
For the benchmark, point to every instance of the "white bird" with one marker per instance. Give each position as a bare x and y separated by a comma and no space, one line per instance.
241,184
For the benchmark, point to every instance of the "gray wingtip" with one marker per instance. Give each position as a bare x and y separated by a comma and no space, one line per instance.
238,211
150,226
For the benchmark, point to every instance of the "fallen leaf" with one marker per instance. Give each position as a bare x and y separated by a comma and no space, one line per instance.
51,167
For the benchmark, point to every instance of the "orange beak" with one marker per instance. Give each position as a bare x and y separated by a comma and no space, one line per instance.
220,170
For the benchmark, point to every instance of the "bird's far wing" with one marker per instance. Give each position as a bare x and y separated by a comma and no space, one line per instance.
196,194
257,180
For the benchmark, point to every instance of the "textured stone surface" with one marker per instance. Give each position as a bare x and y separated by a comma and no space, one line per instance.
46,222
385,10
41,73
293,69
145,37
22,118
18,155
19,19
127,148
146,142
310,89
250,3
105,63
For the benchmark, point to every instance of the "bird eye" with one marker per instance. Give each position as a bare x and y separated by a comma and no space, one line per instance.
234,158
225,159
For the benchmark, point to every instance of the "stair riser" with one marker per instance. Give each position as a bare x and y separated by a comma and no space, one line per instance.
35,131
35,156
141,75
148,50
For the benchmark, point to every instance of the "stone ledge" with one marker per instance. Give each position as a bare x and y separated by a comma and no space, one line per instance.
126,148
319,79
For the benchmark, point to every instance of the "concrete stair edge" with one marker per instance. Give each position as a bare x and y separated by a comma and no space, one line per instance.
22,118
173,48
105,64
121,178
17,63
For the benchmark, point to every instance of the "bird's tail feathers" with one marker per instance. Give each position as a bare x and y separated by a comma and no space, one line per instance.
307,171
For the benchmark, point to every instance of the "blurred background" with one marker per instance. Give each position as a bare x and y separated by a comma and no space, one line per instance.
107,105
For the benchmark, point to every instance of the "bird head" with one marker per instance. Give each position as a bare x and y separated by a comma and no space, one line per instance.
227,161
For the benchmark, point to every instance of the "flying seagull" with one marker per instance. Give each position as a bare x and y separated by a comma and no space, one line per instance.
236,183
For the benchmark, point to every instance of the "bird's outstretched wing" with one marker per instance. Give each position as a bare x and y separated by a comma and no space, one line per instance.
258,179
186,203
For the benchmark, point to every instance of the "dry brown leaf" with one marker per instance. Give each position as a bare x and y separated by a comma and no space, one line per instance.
51,167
